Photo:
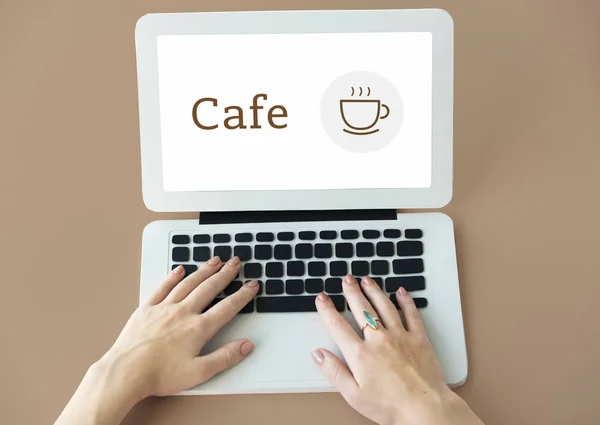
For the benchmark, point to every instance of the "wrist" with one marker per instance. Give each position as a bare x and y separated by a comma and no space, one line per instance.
442,407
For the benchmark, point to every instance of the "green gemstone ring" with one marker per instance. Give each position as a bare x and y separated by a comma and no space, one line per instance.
370,321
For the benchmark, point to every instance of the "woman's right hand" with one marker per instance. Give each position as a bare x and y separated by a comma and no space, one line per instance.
393,377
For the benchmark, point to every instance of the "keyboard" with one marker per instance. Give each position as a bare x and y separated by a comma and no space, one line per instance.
292,268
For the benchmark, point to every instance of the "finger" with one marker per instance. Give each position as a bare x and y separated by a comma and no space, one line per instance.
340,330
381,303
172,279
336,372
230,354
222,313
192,281
203,294
357,302
410,311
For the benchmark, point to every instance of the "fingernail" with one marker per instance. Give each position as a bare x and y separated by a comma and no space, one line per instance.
177,270
234,261
367,280
246,348
318,356
214,261
348,280
322,296
252,283
402,291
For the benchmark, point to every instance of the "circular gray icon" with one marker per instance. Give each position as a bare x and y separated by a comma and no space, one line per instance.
361,111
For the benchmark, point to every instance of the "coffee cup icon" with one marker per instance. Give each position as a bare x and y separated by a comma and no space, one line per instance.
361,115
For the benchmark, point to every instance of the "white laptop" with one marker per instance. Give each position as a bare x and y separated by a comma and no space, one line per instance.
297,135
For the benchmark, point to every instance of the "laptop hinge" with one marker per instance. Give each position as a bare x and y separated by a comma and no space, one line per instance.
228,217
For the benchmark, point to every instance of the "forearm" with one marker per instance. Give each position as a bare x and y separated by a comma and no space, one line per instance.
102,398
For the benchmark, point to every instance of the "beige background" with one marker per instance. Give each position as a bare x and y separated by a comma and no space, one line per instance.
526,201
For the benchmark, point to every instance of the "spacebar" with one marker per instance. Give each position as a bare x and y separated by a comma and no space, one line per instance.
290,304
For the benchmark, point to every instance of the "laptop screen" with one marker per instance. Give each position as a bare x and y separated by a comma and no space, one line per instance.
295,111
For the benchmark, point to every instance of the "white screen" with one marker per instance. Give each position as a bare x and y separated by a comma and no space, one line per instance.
294,71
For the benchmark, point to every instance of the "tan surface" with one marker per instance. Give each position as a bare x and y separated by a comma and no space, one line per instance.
525,208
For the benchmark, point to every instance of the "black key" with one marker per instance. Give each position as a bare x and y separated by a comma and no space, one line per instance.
409,248
264,237
419,302
253,270
233,287
274,270
201,238
243,237
349,234
213,303
378,281
385,249
181,254
365,249
371,234
360,268
304,250
224,252
323,250
333,285
295,268
294,303
283,252
409,266
328,234
274,287
248,308
263,252
244,252
316,268
285,236
294,286
338,268
189,268
344,250
221,238
201,253
180,239
391,233
313,286
410,283
307,236
380,267
413,234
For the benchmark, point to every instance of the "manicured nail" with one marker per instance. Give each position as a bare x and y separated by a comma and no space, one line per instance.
367,280
178,270
349,280
234,261
322,296
252,283
402,291
318,356
246,348
214,261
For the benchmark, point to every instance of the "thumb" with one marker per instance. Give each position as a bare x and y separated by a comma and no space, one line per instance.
228,355
336,372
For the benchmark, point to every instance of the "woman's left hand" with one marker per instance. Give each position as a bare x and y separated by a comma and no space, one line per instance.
157,353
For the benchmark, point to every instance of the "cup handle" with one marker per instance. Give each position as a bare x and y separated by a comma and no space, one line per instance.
387,111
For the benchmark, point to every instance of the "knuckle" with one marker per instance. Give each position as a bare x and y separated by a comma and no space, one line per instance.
387,341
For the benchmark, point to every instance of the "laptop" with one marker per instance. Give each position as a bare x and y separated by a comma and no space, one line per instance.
297,136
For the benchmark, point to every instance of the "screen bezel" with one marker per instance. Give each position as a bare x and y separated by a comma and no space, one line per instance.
436,21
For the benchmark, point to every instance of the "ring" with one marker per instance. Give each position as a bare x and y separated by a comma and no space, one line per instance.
370,321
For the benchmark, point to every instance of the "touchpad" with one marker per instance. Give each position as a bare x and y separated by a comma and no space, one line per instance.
283,346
